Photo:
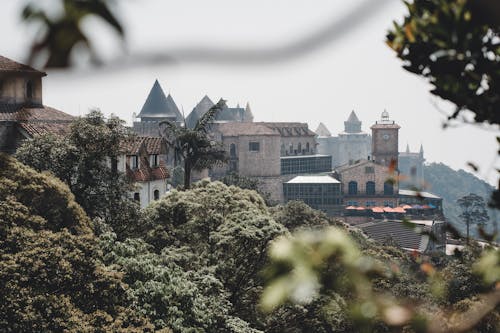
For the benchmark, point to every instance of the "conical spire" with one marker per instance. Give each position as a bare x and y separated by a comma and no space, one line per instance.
421,149
159,106
322,130
248,115
353,124
199,110
407,148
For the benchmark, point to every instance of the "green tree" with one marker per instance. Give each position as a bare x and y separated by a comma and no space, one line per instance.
194,147
226,231
51,277
82,160
473,211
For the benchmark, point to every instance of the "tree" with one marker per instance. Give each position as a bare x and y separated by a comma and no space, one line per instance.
82,160
473,211
51,276
454,45
194,147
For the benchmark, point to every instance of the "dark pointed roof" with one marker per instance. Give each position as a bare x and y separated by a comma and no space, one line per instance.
159,106
8,65
199,110
322,130
248,116
353,118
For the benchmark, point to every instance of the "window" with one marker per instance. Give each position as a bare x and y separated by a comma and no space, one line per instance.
29,89
388,188
413,171
299,148
253,146
137,197
153,160
156,194
232,150
353,188
282,150
369,170
134,161
307,147
291,148
370,188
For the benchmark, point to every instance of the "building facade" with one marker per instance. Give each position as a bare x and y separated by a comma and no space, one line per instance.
22,113
411,167
319,192
385,140
366,183
143,161
350,145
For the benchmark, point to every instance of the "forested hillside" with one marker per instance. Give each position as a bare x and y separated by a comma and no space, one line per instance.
452,185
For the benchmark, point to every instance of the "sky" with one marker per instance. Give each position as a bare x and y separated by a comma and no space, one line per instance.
354,71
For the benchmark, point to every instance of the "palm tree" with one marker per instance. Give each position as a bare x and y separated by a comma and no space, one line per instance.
193,146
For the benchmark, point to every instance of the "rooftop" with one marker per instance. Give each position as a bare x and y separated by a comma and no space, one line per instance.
313,180
241,129
419,194
9,65
157,105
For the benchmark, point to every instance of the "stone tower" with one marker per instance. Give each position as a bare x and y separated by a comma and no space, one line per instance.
385,141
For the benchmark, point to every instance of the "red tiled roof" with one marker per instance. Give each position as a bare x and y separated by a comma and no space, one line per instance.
8,65
290,129
146,173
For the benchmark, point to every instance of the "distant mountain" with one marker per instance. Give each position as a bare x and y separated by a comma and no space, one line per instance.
452,185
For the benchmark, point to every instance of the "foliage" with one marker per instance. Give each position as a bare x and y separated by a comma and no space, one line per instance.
451,185
82,160
193,146
296,214
321,262
62,33
473,210
50,275
197,267
247,183
454,46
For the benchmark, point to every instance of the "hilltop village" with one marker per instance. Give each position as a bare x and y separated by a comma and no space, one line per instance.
357,175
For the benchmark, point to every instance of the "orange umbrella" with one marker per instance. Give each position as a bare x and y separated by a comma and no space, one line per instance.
350,207
406,207
377,210
399,210
360,208
388,210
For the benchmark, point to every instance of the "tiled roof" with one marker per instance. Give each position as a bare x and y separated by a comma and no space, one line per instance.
290,129
37,120
153,145
248,129
404,236
146,173
8,65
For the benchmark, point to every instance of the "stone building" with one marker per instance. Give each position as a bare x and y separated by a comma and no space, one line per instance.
237,114
22,113
411,167
366,183
156,109
350,145
385,141
143,161
254,151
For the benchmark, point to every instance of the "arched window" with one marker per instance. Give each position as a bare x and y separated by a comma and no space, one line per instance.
370,188
307,147
388,188
299,148
156,194
29,89
283,150
137,197
291,148
232,150
353,188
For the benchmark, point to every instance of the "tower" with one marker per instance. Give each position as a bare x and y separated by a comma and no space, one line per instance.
385,141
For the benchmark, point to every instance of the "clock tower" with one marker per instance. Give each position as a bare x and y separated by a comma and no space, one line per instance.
385,141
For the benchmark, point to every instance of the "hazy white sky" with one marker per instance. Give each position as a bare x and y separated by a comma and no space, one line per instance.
356,72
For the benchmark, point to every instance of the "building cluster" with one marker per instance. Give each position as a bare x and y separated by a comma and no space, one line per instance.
355,174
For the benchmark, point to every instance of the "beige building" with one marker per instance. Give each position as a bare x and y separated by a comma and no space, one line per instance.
143,161
385,141
365,183
22,113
